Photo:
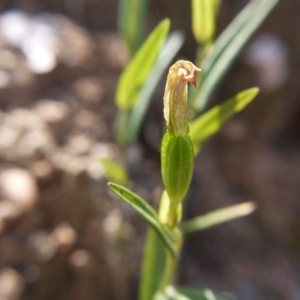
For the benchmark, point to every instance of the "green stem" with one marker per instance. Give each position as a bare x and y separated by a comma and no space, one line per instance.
202,52
158,266
171,263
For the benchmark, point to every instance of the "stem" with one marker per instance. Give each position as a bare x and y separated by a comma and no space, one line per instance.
171,263
158,266
202,52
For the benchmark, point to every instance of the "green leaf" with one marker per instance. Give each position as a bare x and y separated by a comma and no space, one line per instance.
131,22
137,71
218,217
212,121
167,54
228,46
147,212
152,266
114,171
183,293
204,20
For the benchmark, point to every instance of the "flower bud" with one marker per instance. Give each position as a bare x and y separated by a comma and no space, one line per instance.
175,97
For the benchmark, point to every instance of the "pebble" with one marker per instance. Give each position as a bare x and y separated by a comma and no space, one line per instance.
64,235
80,258
20,187
8,211
43,245
43,170
11,284
80,144
90,89
52,111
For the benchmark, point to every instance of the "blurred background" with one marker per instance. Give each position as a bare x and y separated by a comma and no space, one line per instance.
62,235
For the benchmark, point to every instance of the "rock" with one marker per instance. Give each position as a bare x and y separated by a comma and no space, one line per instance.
43,170
11,284
80,258
14,27
69,163
19,186
25,118
52,111
24,135
76,45
8,211
9,136
43,245
113,52
86,119
64,235
90,89
80,144
89,122
41,46
33,142
31,131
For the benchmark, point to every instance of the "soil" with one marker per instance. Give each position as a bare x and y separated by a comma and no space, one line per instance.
63,235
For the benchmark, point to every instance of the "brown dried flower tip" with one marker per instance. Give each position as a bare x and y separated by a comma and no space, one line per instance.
175,97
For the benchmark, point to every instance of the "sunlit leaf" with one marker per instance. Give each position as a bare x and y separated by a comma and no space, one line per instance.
167,54
114,171
213,120
131,22
218,217
204,20
139,68
228,46
147,212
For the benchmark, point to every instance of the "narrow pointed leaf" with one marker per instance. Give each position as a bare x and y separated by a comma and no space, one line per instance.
228,46
218,217
169,50
204,19
208,124
131,22
147,212
136,73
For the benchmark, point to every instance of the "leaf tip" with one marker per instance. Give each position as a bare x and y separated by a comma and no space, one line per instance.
111,185
255,90
167,22
248,207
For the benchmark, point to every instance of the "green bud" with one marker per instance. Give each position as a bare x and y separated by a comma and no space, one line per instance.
177,154
177,159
